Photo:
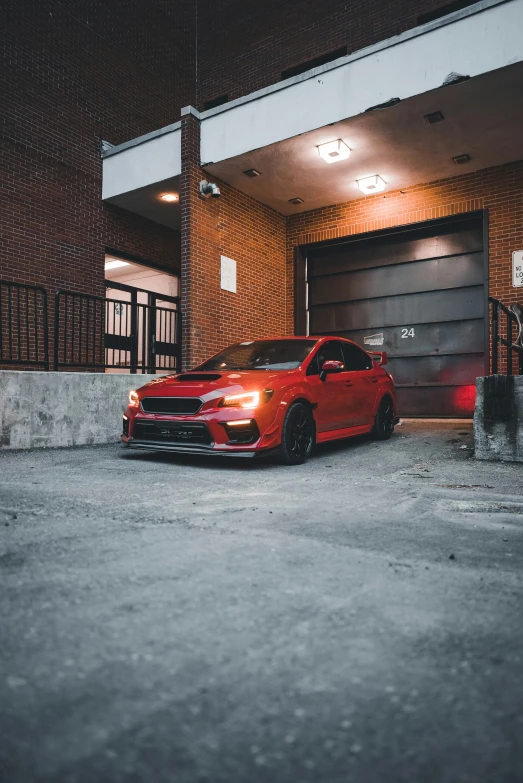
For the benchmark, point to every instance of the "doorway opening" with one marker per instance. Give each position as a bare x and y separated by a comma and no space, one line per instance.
142,323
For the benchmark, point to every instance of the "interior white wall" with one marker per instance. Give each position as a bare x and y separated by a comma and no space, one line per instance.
414,63
150,279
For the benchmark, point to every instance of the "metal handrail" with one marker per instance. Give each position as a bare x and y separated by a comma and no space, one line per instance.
93,332
25,340
508,342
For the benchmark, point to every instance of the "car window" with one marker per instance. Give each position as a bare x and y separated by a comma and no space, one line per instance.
330,351
355,358
283,354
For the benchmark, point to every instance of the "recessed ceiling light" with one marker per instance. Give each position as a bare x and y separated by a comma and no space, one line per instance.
434,116
461,158
169,197
252,173
334,151
296,200
114,263
373,184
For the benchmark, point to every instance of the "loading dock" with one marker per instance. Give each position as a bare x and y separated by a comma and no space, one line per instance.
416,292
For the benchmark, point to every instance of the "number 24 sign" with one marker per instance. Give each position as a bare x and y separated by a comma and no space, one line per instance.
517,268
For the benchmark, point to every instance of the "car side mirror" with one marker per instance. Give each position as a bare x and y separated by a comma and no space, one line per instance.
380,357
330,366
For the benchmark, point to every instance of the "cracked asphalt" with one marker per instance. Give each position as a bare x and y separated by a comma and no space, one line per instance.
357,619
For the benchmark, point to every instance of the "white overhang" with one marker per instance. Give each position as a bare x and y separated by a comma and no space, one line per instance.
481,38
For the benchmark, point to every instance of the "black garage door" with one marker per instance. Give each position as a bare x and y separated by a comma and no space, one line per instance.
417,293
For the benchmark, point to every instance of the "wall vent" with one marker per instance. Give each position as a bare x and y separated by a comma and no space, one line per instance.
214,102
444,10
435,116
314,63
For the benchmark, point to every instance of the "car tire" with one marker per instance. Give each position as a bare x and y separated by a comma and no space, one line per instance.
384,420
298,435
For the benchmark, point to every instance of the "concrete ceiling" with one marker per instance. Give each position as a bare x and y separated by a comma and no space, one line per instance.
147,202
483,117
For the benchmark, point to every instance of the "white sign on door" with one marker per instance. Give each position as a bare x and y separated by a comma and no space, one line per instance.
228,274
517,268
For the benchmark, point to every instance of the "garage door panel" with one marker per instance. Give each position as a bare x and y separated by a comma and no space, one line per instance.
403,311
427,339
437,273
444,370
397,249
439,401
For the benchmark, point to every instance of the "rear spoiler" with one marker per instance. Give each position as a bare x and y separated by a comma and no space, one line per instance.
379,356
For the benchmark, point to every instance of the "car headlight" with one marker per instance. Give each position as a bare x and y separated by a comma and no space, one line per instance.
247,399
133,399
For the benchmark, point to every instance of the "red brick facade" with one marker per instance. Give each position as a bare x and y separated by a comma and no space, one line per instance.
240,228
244,45
498,190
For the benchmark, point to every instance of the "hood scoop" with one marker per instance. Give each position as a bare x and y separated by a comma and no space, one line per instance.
198,376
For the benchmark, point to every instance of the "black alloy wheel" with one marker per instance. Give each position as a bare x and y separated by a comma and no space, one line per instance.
298,434
384,421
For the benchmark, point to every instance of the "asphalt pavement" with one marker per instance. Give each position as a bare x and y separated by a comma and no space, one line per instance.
357,619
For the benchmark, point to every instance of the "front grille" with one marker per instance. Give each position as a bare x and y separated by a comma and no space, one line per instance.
172,432
182,406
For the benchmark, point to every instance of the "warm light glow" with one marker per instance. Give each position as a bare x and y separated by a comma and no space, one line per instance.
238,423
133,398
169,197
333,151
114,263
246,400
371,185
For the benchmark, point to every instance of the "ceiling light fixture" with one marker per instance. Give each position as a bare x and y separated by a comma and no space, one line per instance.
461,158
252,173
115,263
333,151
296,200
369,185
169,197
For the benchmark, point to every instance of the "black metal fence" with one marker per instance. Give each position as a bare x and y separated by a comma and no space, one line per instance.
507,342
24,338
93,332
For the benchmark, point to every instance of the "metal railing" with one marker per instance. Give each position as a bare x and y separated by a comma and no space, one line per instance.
92,332
24,337
507,339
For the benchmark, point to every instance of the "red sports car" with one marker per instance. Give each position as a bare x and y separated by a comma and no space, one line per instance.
262,396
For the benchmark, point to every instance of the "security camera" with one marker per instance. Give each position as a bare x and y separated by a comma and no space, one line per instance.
209,189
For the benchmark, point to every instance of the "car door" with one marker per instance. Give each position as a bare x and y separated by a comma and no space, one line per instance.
330,393
361,385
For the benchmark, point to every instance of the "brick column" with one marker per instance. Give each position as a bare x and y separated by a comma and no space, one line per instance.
189,194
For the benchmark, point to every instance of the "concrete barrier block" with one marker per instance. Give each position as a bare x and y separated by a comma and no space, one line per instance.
498,418
50,409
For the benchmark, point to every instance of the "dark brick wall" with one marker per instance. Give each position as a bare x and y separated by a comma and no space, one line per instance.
72,73
243,45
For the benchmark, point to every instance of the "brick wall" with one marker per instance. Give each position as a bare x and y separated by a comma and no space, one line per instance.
241,228
498,190
72,73
243,45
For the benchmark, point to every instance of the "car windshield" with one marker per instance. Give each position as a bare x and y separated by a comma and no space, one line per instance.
261,355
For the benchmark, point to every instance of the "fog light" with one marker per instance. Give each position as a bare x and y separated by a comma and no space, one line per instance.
125,427
241,431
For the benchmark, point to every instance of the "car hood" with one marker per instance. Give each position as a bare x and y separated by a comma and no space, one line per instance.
208,385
